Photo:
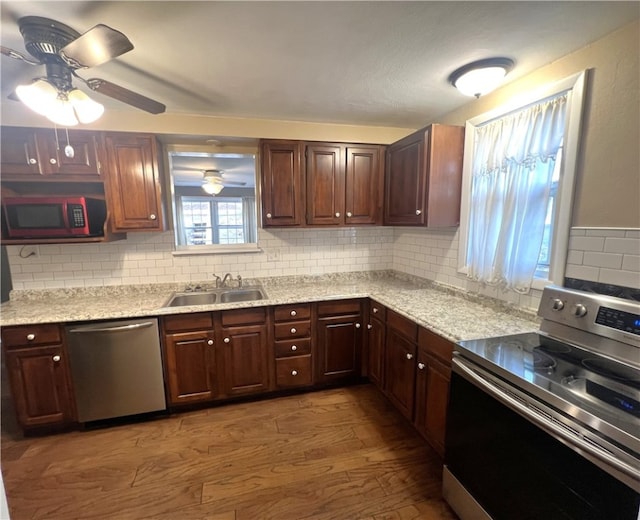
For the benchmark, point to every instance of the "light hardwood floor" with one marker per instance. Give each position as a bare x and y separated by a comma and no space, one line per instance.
334,454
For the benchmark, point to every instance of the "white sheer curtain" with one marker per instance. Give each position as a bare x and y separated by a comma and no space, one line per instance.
513,163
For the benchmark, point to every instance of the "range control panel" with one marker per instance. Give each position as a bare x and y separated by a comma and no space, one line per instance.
620,320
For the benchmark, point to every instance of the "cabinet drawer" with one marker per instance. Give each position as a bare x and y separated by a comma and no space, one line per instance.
435,345
334,308
186,322
403,325
377,311
292,312
293,347
294,371
293,329
25,335
244,316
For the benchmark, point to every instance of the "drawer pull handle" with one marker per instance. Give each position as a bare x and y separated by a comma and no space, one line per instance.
31,337
227,340
293,330
357,325
421,366
369,326
210,342
294,372
56,359
293,313
294,347
409,356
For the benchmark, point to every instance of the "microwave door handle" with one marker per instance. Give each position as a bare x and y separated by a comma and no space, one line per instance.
461,367
65,215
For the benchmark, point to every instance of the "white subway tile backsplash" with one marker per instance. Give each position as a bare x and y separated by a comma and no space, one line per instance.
622,245
586,243
631,263
609,260
619,277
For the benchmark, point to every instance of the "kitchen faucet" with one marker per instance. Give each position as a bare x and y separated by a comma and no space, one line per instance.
224,280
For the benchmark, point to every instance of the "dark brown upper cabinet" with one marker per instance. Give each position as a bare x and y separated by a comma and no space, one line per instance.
282,183
29,154
423,178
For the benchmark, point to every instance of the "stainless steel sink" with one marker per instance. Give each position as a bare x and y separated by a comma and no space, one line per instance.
191,298
241,295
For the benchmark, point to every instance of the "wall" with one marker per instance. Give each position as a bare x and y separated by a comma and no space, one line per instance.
147,258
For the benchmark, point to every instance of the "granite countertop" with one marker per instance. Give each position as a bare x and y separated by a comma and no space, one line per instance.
454,314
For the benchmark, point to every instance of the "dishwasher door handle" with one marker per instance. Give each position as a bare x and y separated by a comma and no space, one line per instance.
120,328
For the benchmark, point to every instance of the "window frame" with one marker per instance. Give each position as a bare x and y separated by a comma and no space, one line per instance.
575,86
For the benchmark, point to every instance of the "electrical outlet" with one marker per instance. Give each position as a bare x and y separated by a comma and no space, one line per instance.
273,255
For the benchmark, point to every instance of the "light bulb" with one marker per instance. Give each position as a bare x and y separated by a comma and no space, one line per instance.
61,112
86,109
39,95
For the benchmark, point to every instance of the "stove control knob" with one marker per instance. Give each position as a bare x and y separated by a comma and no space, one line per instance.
579,310
557,305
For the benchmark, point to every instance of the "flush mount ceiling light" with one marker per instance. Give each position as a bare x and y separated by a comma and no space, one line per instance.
481,77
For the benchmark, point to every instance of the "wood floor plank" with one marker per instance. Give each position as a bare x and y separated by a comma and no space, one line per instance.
337,454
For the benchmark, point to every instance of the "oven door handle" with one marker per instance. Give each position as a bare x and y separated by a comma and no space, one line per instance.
461,367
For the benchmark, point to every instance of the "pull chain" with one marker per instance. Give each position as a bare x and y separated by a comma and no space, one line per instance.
68,150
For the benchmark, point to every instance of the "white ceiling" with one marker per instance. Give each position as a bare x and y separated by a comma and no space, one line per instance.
371,63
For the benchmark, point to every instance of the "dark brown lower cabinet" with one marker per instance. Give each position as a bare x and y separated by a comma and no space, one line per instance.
339,341
399,362
247,366
190,358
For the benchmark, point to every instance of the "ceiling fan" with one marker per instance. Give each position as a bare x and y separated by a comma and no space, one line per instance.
63,51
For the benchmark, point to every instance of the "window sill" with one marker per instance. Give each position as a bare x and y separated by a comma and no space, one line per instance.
216,250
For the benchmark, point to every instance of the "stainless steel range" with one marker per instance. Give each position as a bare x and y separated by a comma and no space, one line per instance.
547,425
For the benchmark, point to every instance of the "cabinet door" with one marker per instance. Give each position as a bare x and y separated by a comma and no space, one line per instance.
282,184
246,359
437,400
376,330
339,347
400,371
364,185
40,384
325,173
405,181
19,154
134,197
191,367
84,162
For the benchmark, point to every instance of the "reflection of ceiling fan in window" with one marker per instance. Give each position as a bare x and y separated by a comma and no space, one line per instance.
214,181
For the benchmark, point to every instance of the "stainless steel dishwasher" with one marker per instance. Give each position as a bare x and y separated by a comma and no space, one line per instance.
116,368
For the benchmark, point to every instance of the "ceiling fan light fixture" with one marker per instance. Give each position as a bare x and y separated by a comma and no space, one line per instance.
86,109
211,187
481,77
61,111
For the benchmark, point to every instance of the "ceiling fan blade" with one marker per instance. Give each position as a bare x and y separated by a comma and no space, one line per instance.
95,47
17,55
125,95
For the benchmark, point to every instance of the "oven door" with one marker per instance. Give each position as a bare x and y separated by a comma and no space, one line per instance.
501,465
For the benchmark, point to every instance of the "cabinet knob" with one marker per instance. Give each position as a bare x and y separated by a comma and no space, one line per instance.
293,313
418,212
31,337
421,366
294,347
357,325
293,330
52,161
56,358
337,214
227,340
210,342
376,310
32,161
153,216
268,215
409,356
294,372
349,214
369,326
